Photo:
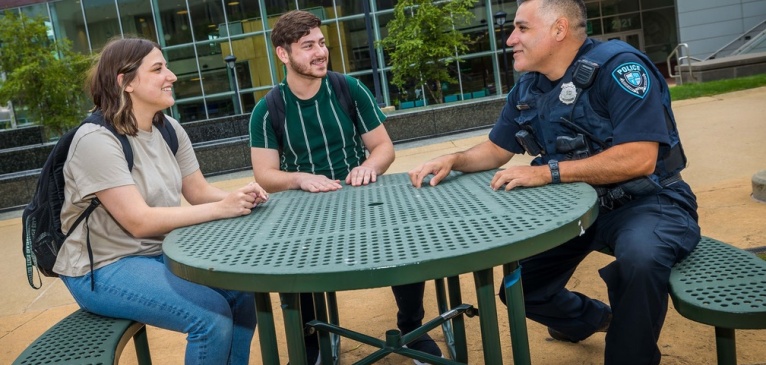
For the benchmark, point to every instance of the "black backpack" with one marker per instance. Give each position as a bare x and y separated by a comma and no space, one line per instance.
276,104
41,233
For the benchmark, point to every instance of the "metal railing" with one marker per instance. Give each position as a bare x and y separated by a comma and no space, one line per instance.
681,54
742,43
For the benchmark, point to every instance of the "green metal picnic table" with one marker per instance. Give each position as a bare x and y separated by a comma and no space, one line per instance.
387,233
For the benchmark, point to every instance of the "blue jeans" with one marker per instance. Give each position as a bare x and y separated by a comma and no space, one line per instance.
220,323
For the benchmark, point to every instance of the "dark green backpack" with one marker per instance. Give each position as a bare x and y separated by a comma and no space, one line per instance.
41,232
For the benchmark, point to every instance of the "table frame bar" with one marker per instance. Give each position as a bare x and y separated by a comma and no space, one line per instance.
454,330
514,296
266,329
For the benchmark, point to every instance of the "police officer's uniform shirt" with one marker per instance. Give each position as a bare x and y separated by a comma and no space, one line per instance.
635,114
319,138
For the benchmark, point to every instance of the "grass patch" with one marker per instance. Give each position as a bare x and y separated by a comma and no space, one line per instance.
689,91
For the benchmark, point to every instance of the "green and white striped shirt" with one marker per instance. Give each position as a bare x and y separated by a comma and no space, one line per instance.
319,137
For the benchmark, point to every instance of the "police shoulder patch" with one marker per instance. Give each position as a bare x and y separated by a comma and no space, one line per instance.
633,78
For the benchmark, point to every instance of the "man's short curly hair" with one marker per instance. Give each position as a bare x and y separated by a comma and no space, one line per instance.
292,26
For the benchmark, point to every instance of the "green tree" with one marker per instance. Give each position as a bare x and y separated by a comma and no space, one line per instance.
44,76
423,40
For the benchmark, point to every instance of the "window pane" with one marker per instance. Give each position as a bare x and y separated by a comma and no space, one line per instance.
183,62
68,23
352,7
622,23
659,33
220,106
242,10
612,7
136,18
174,20
206,17
477,74
384,4
36,11
594,27
102,22
651,4
213,68
252,59
190,111
594,9
275,8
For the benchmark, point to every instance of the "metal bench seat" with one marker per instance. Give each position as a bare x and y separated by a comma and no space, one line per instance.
86,338
722,286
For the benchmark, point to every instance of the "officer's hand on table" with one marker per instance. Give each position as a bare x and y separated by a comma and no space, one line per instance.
528,176
361,175
440,167
318,183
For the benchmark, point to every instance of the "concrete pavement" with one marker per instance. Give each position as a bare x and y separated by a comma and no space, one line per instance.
724,140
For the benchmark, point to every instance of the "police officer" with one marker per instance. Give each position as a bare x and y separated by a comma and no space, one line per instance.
597,113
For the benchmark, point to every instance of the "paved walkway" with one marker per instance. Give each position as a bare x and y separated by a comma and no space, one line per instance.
724,140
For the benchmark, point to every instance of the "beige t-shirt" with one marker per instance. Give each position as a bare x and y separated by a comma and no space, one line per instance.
96,162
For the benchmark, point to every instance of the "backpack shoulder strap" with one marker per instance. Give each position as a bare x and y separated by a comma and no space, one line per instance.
168,134
340,86
98,118
165,128
276,107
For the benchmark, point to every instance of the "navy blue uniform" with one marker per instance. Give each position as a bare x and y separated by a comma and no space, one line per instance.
648,229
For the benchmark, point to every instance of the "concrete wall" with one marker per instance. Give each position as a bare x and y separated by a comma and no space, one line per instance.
708,25
724,68
222,145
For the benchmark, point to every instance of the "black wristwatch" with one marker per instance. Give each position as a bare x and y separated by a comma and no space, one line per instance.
555,174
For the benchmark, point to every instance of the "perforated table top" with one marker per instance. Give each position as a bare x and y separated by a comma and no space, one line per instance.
386,233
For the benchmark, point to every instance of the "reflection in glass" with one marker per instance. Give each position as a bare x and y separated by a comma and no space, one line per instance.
136,19
175,23
68,23
622,23
206,18
241,10
182,61
651,4
198,37
102,22
612,7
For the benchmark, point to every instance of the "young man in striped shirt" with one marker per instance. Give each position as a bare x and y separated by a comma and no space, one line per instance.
321,145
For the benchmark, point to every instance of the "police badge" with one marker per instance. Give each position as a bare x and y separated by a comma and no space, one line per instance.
568,93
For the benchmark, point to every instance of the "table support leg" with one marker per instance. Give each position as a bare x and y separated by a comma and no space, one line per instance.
266,330
490,335
458,323
514,296
291,309
332,310
324,310
726,348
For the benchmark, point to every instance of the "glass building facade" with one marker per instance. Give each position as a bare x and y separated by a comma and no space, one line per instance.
198,35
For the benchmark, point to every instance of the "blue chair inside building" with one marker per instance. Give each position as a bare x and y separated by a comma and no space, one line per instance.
479,94
450,98
406,104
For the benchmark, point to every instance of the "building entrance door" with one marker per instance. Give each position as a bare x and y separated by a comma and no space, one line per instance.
635,38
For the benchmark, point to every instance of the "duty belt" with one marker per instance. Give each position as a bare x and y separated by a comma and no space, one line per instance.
613,198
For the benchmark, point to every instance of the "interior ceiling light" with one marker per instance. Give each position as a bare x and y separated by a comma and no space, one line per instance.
233,3
181,12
